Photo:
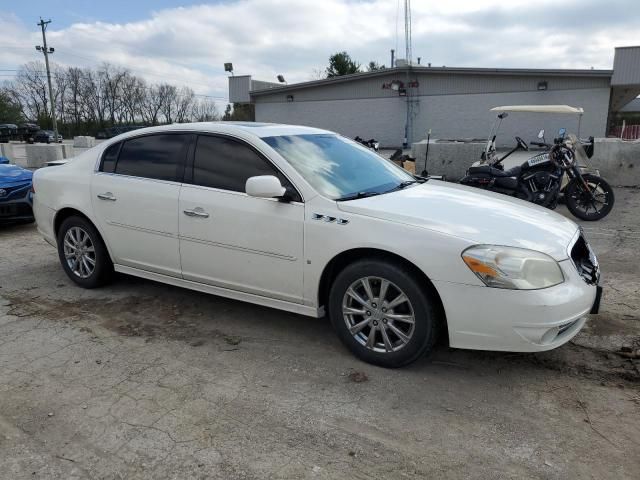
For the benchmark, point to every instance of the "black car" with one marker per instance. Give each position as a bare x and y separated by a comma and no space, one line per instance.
47,136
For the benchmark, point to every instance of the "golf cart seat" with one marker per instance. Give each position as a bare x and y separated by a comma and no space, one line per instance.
495,172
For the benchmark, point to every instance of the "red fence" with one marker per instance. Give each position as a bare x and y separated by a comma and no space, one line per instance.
631,132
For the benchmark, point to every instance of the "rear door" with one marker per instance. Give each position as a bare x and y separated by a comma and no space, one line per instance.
135,199
230,239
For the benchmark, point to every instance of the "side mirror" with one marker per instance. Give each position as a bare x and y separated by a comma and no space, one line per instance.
264,186
562,132
541,134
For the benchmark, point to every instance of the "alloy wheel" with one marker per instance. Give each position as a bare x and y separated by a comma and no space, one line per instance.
378,314
79,252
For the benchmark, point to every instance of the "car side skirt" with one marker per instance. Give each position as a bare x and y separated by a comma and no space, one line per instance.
223,292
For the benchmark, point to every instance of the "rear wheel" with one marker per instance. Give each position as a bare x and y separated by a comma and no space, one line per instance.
592,204
382,313
82,253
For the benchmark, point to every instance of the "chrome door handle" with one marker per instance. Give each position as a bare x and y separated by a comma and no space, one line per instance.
197,212
107,196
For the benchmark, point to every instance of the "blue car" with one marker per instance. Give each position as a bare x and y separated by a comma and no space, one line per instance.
16,198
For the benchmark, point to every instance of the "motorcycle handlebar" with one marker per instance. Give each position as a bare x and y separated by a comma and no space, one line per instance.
540,144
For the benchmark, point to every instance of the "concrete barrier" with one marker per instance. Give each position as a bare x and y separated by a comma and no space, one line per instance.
450,158
84,142
68,150
39,154
6,150
618,161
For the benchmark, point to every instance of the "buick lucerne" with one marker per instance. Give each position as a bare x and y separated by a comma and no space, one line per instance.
307,221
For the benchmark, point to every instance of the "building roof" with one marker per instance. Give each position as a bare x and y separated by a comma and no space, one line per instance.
421,69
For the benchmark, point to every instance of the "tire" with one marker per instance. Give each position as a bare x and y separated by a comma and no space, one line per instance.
73,231
421,304
576,199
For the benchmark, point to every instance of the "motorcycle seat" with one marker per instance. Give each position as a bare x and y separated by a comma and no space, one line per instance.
495,172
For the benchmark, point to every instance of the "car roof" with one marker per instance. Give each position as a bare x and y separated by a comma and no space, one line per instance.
256,129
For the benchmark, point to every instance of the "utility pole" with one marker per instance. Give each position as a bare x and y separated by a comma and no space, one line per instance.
408,127
46,51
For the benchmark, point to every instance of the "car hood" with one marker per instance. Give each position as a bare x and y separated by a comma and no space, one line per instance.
476,215
14,174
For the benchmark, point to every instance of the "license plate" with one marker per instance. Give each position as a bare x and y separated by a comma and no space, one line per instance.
596,304
7,210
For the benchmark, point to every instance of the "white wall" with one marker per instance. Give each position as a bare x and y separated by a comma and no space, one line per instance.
449,116
379,118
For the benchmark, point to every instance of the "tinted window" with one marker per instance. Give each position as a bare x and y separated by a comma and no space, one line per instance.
227,164
109,158
152,156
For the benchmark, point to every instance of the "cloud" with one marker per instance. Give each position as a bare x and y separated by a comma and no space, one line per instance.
188,45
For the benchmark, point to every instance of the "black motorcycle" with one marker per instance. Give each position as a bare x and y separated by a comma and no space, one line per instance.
544,177
372,143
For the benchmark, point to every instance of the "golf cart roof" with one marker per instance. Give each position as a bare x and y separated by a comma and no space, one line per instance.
540,109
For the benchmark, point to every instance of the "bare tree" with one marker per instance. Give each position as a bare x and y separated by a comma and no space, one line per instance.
87,100
29,89
204,110
112,89
151,105
167,94
133,97
183,103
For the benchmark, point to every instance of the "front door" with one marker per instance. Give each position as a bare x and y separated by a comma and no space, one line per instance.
231,240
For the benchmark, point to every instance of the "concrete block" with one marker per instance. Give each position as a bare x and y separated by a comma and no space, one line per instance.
67,150
84,142
38,155
618,161
7,150
450,158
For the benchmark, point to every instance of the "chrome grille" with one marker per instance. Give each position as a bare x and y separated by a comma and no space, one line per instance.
585,261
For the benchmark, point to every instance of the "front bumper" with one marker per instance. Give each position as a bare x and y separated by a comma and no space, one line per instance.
16,211
484,318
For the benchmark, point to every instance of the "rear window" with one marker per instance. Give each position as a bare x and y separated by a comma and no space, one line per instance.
153,156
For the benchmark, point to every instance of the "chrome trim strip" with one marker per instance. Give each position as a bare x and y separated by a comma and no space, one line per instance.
147,179
236,247
142,229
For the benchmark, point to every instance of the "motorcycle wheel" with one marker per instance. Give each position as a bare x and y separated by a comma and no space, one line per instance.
580,202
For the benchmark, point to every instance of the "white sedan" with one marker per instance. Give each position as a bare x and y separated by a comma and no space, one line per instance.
307,221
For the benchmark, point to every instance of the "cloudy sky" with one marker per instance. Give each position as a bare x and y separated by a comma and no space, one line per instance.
185,42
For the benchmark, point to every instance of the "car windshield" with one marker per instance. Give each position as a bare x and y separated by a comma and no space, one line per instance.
339,168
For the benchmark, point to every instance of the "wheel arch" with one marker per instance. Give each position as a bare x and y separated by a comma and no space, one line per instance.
66,212
343,259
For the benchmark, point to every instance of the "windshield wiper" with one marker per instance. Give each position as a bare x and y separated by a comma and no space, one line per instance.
355,196
406,183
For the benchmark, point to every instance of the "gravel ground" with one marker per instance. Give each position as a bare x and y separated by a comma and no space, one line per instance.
143,380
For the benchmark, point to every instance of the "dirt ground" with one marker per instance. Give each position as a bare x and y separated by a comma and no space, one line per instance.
143,380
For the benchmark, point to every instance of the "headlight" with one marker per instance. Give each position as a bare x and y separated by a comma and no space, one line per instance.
513,268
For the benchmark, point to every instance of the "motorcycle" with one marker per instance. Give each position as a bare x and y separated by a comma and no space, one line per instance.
545,176
372,143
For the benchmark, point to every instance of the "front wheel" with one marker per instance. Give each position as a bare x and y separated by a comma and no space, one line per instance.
592,204
383,313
